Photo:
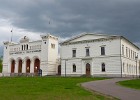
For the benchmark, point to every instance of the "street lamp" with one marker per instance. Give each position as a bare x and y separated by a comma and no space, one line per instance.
65,67
136,58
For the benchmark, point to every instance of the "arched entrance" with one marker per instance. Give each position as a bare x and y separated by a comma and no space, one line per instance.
28,61
59,70
12,66
88,69
20,66
36,65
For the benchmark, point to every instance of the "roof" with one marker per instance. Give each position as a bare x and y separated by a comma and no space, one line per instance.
108,36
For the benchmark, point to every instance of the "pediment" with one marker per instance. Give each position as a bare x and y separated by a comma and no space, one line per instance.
86,36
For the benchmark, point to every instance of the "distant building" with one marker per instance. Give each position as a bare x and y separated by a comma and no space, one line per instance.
26,58
99,55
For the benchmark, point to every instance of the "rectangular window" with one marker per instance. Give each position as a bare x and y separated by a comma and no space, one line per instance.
102,50
123,67
126,52
73,53
122,49
135,55
87,52
52,45
131,53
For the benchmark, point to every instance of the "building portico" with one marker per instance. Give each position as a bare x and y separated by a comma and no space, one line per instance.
26,57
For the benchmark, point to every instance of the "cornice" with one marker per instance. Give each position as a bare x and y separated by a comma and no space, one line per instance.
90,41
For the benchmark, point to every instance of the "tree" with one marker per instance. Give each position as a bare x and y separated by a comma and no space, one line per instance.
0,65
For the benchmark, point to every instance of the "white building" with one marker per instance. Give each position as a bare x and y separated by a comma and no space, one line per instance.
26,57
99,55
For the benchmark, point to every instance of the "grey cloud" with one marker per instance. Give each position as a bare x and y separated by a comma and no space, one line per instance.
70,17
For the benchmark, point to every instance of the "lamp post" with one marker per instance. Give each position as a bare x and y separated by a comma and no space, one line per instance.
65,67
136,58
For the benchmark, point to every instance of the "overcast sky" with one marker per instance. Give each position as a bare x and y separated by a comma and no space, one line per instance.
66,18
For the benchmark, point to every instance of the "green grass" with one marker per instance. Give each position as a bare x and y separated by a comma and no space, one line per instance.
46,88
135,83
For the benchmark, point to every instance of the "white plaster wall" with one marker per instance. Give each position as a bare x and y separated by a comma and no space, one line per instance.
112,66
5,59
129,61
89,37
112,48
53,52
47,56
111,58
69,67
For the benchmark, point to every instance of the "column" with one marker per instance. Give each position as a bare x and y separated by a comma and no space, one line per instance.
24,66
83,67
9,67
32,66
16,67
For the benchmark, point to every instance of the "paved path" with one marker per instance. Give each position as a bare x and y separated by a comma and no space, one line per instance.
109,87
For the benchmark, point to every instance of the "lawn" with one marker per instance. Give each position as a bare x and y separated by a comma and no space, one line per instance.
135,83
46,88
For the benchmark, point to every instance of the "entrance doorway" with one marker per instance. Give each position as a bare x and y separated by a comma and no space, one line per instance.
59,70
36,65
12,66
88,69
28,66
20,66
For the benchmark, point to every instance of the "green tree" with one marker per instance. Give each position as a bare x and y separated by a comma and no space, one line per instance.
0,65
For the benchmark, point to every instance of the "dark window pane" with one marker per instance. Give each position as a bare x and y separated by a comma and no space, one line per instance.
22,47
102,50
27,46
87,52
74,68
73,53
103,67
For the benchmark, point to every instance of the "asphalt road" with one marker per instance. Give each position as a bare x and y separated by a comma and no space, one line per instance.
109,87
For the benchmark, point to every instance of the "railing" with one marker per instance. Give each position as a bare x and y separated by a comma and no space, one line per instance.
24,52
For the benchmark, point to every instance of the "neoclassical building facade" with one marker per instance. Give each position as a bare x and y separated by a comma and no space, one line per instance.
99,55
26,57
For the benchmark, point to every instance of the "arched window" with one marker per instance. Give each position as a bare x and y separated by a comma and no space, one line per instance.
74,68
36,65
28,64
123,67
12,66
22,47
27,46
127,69
103,67
130,69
